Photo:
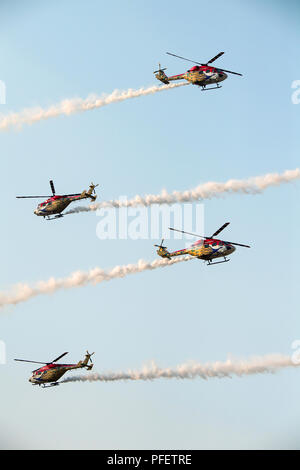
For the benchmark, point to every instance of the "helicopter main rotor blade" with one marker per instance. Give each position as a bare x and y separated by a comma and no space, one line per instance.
33,362
188,233
194,61
52,187
215,58
238,244
220,229
189,60
59,357
26,197
209,62
229,71
207,238
38,362
36,197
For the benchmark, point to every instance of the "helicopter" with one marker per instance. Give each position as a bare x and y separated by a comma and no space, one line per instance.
201,74
207,249
56,204
50,373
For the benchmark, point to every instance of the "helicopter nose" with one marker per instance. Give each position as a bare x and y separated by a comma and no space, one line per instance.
222,76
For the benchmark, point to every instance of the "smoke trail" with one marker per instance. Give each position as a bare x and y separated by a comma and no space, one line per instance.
23,292
208,190
76,105
256,365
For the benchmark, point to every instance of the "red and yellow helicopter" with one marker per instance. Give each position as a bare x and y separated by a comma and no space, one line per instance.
56,204
206,249
50,373
201,74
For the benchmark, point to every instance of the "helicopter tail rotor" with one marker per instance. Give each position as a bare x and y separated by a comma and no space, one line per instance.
161,76
85,362
91,193
162,250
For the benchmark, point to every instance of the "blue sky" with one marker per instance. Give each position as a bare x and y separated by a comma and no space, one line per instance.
174,140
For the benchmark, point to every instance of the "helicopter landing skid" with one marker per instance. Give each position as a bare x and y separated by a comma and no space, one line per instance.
56,217
211,88
54,384
209,263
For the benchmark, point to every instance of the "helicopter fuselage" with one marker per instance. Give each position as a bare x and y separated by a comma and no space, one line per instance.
197,75
54,205
202,249
201,76
50,373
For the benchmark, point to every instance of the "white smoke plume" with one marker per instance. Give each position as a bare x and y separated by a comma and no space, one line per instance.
77,105
208,190
232,367
23,292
